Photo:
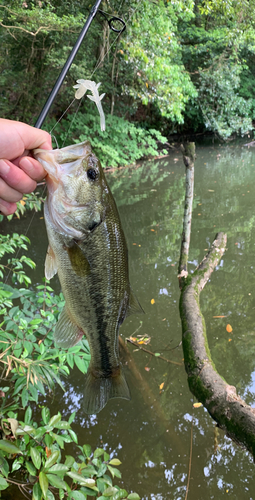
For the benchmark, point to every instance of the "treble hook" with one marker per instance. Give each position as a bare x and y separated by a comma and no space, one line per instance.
112,20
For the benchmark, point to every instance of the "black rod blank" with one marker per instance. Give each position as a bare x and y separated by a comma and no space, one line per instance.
66,67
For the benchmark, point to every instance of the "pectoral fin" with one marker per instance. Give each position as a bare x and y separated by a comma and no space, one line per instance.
67,334
50,266
79,262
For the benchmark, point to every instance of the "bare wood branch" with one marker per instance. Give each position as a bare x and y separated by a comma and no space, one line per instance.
221,400
188,158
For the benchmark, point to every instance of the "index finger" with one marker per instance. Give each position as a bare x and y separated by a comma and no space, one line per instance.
17,137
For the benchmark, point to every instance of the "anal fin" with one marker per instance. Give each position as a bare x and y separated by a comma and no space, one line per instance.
67,333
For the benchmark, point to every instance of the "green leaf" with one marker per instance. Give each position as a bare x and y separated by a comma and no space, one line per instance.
4,466
52,459
102,469
24,397
45,415
62,425
72,417
81,364
54,420
120,494
109,492
114,472
31,469
115,461
33,391
157,354
36,457
3,484
56,481
58,439
73,435
27,429
90,483
28,415
50,495
48,440
87,450
44,483
133,496
9,447
78,495
69,461
59,469
98,452
19,384
37,492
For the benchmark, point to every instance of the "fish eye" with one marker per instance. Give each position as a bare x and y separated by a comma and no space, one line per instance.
92,174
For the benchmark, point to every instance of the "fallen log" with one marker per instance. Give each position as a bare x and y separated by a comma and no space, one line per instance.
220,399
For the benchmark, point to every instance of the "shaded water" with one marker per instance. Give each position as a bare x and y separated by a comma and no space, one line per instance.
155,450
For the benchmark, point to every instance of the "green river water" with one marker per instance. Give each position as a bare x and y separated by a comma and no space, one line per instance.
155,449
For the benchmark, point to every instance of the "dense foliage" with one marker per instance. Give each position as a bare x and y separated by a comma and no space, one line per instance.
178,66
31,365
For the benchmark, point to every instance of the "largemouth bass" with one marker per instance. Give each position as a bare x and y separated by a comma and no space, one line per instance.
87,248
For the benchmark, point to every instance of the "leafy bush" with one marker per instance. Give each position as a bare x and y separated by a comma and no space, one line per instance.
29,357
224,111
122,142
37,452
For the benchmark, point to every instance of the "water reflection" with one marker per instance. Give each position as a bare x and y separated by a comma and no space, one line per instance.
155,448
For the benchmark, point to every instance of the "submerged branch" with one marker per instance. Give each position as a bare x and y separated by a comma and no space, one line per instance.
220,399
153,353
150,399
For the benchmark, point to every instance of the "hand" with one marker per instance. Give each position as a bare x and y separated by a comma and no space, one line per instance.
18,173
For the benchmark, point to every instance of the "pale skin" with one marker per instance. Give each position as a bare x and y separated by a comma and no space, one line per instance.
19,171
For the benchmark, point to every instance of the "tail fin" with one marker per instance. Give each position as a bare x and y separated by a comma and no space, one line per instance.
99,390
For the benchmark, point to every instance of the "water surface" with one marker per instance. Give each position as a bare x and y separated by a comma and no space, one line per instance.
151,434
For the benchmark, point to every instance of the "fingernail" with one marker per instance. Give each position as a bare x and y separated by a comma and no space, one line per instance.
4,167
26,164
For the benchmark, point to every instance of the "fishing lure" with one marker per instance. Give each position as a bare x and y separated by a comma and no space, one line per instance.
82,87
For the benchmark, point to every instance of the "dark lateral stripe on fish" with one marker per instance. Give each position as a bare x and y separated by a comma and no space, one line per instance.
104,348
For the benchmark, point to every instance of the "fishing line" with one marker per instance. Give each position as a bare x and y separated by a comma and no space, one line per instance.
95,69
100,60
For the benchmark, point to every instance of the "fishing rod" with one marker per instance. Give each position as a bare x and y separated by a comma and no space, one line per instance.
72,55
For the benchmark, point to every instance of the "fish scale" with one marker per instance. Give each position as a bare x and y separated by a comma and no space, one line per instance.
87,248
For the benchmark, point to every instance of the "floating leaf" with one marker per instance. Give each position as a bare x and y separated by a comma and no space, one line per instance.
197,405
152,301
162,385
157,354
229,328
